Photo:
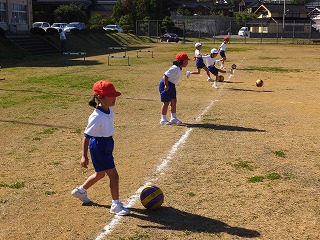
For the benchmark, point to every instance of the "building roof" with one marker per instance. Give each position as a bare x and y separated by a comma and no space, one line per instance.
293,8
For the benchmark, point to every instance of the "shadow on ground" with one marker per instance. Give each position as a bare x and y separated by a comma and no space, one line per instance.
174,219
221,127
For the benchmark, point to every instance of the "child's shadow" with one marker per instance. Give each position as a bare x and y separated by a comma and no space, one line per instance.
173,219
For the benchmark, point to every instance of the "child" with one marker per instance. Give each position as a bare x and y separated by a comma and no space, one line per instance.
222,49
167,89
199,63
63,41
211,61
98,138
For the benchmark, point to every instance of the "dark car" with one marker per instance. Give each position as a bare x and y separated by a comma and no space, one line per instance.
169,37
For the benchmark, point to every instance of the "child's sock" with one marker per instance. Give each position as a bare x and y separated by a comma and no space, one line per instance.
163,117
173,115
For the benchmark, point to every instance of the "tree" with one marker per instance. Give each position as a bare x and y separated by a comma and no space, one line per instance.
70,13
243,17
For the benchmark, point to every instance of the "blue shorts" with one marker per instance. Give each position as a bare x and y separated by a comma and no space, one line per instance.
101,149
222,54
200,63
167,96
213,70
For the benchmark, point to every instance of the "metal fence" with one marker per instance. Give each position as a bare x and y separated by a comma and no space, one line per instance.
261,30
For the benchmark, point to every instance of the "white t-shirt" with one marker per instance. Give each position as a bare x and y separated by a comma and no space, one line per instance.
197,53
100,124
211,61
223,47
173,74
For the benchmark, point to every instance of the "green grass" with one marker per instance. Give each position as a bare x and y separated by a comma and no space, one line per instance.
280,153
256,179
16,185
273,176
243,164
271,69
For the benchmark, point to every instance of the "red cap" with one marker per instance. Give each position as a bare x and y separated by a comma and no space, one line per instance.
226,38
105,88
182,56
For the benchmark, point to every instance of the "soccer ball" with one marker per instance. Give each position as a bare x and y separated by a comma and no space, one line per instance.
220,78
259,83
233,66
151,197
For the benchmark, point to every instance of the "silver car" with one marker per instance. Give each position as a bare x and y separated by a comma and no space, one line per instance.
74,25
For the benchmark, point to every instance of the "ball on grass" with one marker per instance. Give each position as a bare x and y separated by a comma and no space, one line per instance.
152,197
259,83
233,66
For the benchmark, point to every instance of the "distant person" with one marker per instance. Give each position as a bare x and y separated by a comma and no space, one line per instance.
167,89
63,41
199,62
211,62
98,139
222,50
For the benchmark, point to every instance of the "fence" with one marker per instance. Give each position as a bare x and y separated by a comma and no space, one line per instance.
261,30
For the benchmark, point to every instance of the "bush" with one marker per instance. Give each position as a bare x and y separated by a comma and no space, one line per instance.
52,31
127,28
38,31
75,31
96,29
2,32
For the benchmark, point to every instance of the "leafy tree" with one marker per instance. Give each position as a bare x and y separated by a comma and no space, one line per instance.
243,17
168,25
70,13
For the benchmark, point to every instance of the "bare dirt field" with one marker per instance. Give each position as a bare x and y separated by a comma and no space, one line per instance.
244,164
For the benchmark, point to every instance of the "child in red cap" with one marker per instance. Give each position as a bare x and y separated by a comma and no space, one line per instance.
98,139
222,49
167,89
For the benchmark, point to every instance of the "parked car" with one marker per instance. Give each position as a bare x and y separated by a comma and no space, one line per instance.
113,28
169,37
59,25
244,31
74,25
43,25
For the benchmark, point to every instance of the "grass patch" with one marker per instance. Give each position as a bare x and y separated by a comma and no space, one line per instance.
280,153
271,69
273,176
16,185
49,131
49,193
191,194
243,164
256,179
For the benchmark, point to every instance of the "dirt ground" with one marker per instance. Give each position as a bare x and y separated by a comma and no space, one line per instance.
230,136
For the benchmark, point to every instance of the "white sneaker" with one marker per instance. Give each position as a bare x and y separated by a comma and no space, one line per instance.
210,79
164,122
175,121
222,66
188,74
82,196
215,85
229,71
119,209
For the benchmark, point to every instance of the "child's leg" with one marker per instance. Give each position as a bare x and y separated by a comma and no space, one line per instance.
207,71
164,108
114,183
197,72
173,106
93,179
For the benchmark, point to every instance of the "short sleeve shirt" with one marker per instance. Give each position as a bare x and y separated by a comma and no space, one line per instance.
223,47
173,74
211,61
100,123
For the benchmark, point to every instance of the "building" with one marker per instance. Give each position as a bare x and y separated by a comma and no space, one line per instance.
16,15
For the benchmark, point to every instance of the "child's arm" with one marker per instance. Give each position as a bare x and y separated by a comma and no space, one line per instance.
84,159
166,84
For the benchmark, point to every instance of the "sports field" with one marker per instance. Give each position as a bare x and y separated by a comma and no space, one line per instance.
245,163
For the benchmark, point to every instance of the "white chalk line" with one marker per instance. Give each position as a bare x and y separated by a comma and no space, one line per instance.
131,201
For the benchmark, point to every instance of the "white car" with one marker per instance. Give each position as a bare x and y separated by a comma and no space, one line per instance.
43,25
74,25
244,31
59,25
113,28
